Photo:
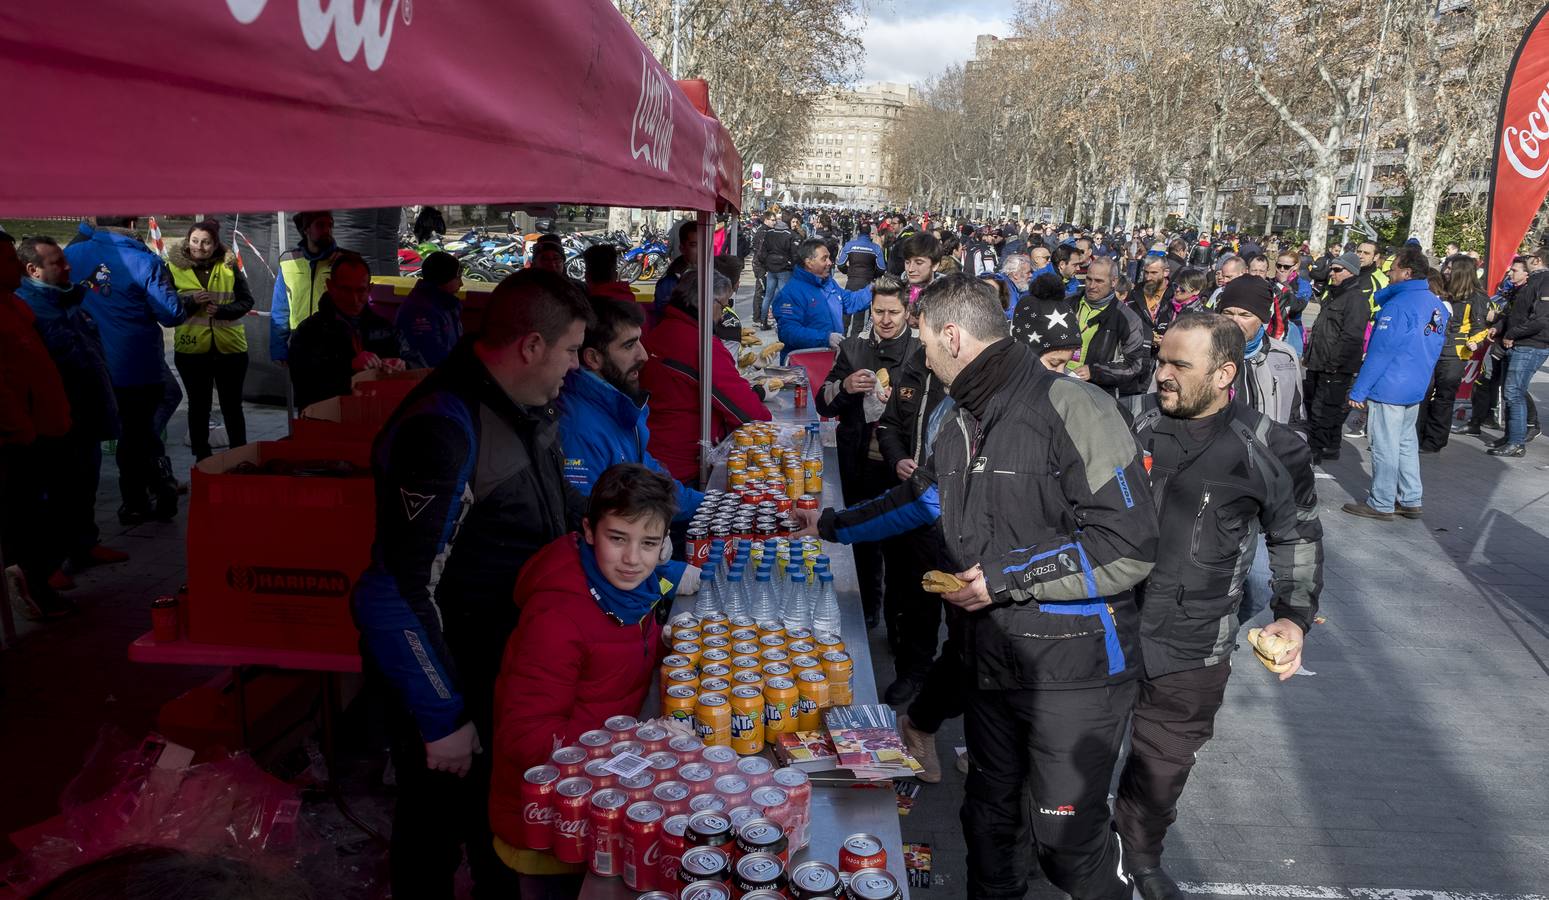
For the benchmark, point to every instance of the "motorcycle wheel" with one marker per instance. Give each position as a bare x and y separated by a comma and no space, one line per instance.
477,273
629,269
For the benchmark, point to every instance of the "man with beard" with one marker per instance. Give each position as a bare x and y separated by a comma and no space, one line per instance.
856,392
602,409
1220,473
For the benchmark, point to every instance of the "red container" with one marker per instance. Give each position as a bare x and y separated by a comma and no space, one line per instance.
597,771
696,775
757,770
799,397
664,762
861,851
674,841
595,742
638,787
164,619
698,546
572,798
776,804
672,795
642,845
623,727
538,807
569,760
706,803
606,825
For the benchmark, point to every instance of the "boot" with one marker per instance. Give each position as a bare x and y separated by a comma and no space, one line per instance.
922,746
164,492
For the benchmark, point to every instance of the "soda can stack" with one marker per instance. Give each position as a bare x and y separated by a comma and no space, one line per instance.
604,843
798,788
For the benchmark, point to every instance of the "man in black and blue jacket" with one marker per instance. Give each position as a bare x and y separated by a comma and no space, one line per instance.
1041,497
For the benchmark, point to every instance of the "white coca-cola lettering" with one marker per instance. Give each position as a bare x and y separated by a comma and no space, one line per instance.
572,828
650,132
652,855
536,814
710,160
373,31
1524,147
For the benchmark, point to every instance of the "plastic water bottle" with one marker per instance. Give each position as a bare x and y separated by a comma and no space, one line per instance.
765,603
709,604
733,601
744,550
796,613
825,612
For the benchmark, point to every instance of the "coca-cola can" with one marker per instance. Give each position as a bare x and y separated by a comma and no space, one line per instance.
571,796
597,771
630,746
704,864
757,895
672,795
663,761
653,737
763,836
776,804
799,397
621,726
757,770
685,744
741,815
638,786
698,545
595,742
606,826
568,760
674,842
706,803
862,851
757,872
734,789
643,845
722,760
814,880
696,775
538,806
659,895
709,829
796,783
706,890
874,884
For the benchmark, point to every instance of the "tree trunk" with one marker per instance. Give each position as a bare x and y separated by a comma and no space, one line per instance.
1320,204
1422,215
1207,207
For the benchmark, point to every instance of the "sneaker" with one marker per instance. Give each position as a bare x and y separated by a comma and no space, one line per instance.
1408,512
1358,431
61,581
1511,451
1533,432
922,746
1364,510
1470,428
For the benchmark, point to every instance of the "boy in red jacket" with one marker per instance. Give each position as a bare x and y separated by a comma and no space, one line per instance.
586,648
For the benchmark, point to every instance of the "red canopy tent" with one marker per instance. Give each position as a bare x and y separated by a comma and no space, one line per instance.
259,105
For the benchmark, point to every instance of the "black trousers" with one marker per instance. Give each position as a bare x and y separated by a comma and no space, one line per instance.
71,467
1059,747
1328,402
140,451
1174,716
862,479
438,815
1434,424
758,294
27,534
912,614
942,695
222,373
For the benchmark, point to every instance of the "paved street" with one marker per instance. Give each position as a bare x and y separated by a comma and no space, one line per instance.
1413,761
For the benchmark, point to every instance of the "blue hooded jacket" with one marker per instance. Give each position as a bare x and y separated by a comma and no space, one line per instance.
808,310
860,242
1405,344
430,322
599,427
1016,293
71,337
130,297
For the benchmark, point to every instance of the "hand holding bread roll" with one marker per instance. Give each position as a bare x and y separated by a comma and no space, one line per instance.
1277,653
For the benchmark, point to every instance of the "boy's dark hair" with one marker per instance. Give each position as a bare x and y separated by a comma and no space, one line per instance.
917,245
602,263
631,491
609,316
730,265
887,285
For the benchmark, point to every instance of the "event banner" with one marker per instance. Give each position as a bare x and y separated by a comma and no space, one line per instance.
1519,176
147,106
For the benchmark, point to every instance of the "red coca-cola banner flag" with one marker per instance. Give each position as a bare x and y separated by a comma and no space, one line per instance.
1519,174
148,106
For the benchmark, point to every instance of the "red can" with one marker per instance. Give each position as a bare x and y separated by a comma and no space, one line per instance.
796,783
595,742
597,771
757,770
799,397
538,807
568,760
673,842
696,775
683,744
764,836
606,824
734,789
672,795
571,804
663,761
623,747
861,851
638,786
642,845
742,815
722,760
653,737
623,727
706,803
806,501
698,546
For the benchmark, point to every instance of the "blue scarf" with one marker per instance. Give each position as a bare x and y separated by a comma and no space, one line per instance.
625,607
1251,349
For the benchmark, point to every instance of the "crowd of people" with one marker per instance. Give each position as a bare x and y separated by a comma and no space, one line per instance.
1091,434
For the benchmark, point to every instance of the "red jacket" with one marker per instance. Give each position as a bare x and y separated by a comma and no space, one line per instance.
32,396
567,668
672,377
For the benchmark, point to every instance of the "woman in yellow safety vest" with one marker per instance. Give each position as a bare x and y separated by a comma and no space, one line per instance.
210,347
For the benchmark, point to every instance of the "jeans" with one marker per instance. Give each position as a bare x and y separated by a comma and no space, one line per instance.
1395,455
1520,367
774,282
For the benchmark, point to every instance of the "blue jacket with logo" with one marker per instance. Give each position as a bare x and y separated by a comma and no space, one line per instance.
598,427
75,345
1405,344
808,310
430,322
130,297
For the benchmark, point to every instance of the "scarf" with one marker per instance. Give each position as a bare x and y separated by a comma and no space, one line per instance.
62,297
982,379
624,607
1252,348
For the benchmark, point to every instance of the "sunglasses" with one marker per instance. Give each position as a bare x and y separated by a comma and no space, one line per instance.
1333,269
1283,267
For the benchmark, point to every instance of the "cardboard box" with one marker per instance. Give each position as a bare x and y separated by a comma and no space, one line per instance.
343,420
272,559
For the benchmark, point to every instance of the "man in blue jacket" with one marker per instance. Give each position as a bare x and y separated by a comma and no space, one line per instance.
603,410
1405,344
131,298
430,321
810,309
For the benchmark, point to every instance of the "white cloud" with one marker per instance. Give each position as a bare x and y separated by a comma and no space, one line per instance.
910,49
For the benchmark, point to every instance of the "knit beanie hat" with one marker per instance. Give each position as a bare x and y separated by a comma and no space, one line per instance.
1248,292
1046,326
1349,262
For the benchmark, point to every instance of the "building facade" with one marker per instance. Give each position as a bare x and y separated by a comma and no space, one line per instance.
844,163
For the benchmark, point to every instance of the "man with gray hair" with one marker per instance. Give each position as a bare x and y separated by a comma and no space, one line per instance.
1228,269
1114,342
1029,552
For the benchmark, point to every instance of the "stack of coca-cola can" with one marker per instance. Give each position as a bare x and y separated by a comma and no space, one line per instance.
754,512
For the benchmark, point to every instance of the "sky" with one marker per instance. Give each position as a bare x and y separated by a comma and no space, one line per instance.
911,40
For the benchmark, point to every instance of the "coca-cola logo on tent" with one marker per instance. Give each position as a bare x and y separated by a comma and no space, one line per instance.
373,31
1517,182
1525,146
650,133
